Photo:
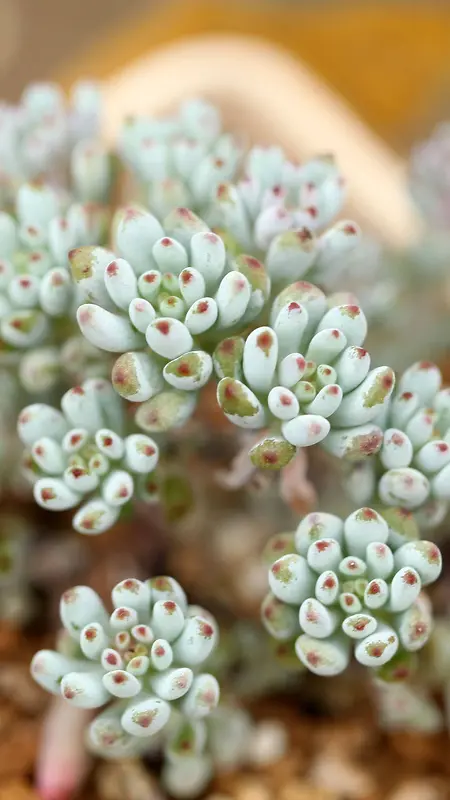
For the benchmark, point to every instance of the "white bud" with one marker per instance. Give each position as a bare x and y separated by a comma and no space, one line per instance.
24,328
378,648
192,285
424,379
202,315
379,559
136,232
350,602
172,684
405,588
110,658
291,369
167,619
109,443
145,718
354,444
93,640
326,402
260,359
326,657
365,402
88,266
202,698
352,567
137,377
326,345
47,668
36,203
142,633
433,456
402,408
189,372
183,224
397,450
358,626
423,556
118,488
403,487
141,453
121,683
317,525
95,517
290,579
107,331
161,654
350,320
291,254
351,367
327,587
48,455
376,593
38,420
239,404
290,325
134,594
53,494
363,527
317,620
208,256
335,243
283,403
149,284
123,618
196,642
169,338
420,427
120,282
232,298
305,430
80,479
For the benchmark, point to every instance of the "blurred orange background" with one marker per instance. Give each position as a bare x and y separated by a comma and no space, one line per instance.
390,59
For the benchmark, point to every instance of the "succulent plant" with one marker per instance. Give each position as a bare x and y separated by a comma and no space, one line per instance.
42,135
179,160
348,582
78,455
306,378
163,303
412,469
143,662
280,210
37,296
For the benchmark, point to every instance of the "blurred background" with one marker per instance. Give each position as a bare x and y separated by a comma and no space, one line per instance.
388,58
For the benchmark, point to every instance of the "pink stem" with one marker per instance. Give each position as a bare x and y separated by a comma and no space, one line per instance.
63,762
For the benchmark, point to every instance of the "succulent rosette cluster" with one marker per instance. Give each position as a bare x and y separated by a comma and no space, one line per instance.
342,586
278,209
182,159
411,472
304,379
43,134
282,209
79,456
163,301
144,663
37,298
